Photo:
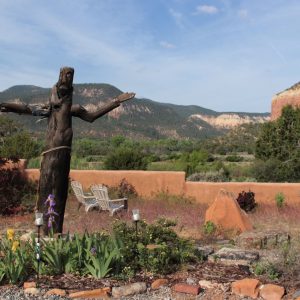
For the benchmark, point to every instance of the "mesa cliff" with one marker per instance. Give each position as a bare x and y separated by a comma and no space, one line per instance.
290,96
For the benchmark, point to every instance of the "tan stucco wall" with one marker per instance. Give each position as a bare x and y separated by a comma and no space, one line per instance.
206,192
148,183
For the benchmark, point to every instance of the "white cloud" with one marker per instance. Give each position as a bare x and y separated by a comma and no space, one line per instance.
243,13
167,45
206,9
178,17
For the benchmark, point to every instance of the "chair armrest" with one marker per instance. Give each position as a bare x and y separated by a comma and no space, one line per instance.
118,200
89,197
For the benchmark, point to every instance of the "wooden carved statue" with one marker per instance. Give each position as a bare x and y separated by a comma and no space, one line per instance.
55,166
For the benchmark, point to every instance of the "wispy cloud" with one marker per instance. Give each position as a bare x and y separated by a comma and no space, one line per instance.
178,17
243,13
206,9
167,45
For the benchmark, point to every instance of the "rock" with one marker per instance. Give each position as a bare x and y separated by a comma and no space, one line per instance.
130,289
271,292
158,283
246,287
262,240
32,291
57,292
296,295
290,96
205,251
26,236
187,289
28,284
191,281
233,256
226,214
103,292
205,284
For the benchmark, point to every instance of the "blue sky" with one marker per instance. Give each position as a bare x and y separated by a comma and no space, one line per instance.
226,55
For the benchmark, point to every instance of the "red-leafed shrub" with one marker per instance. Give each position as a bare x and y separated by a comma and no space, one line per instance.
14,189
246,201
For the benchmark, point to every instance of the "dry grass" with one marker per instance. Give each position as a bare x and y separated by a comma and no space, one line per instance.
188,214
270,217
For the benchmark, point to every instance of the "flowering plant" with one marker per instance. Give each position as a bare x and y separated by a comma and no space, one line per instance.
51,211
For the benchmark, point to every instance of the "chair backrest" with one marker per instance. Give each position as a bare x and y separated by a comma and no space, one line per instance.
77,189
101,194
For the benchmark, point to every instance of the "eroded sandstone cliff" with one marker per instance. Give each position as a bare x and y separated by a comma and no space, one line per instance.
290,96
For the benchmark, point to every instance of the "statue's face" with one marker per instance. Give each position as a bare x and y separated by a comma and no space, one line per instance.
65,82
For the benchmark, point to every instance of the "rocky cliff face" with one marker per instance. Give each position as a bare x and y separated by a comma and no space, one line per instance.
290,96
230,120
138,118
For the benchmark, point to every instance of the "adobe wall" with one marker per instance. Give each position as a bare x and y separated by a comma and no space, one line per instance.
206,192
147,183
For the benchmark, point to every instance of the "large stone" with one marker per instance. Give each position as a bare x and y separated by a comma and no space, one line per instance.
271,292
32,291
246,287
130,289
232,256
205,284
296,295
56,292
262,240
187,288
158,283
226,213
91,294
29,284
205,251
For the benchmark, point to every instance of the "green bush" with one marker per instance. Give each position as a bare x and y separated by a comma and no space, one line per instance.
15,189
234,158
155,248
126,159
209,228
279,199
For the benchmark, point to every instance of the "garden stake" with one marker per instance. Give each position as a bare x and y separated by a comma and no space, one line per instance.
39,223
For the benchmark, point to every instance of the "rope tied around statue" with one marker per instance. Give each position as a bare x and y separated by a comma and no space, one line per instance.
56,148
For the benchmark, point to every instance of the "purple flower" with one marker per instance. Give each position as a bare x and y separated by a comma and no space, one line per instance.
93,251
51,211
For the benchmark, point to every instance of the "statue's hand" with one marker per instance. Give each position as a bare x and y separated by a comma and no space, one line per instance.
3,108
125,97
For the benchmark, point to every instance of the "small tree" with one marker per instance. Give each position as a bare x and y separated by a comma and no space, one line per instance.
277,148
126,159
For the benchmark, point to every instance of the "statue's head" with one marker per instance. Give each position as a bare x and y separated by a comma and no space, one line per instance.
65,81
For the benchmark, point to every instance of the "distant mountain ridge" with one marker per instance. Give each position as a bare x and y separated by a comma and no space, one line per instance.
139,118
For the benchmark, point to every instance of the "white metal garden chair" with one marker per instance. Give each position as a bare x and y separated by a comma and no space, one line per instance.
112,205
89,201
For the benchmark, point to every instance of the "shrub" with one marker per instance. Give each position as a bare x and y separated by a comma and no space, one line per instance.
234,158
126,189
210,176
155,248
14,189
126,159
279,198
246,201
209,228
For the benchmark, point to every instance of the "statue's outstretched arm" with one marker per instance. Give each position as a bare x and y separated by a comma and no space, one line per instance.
80,112
25,109
19,108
